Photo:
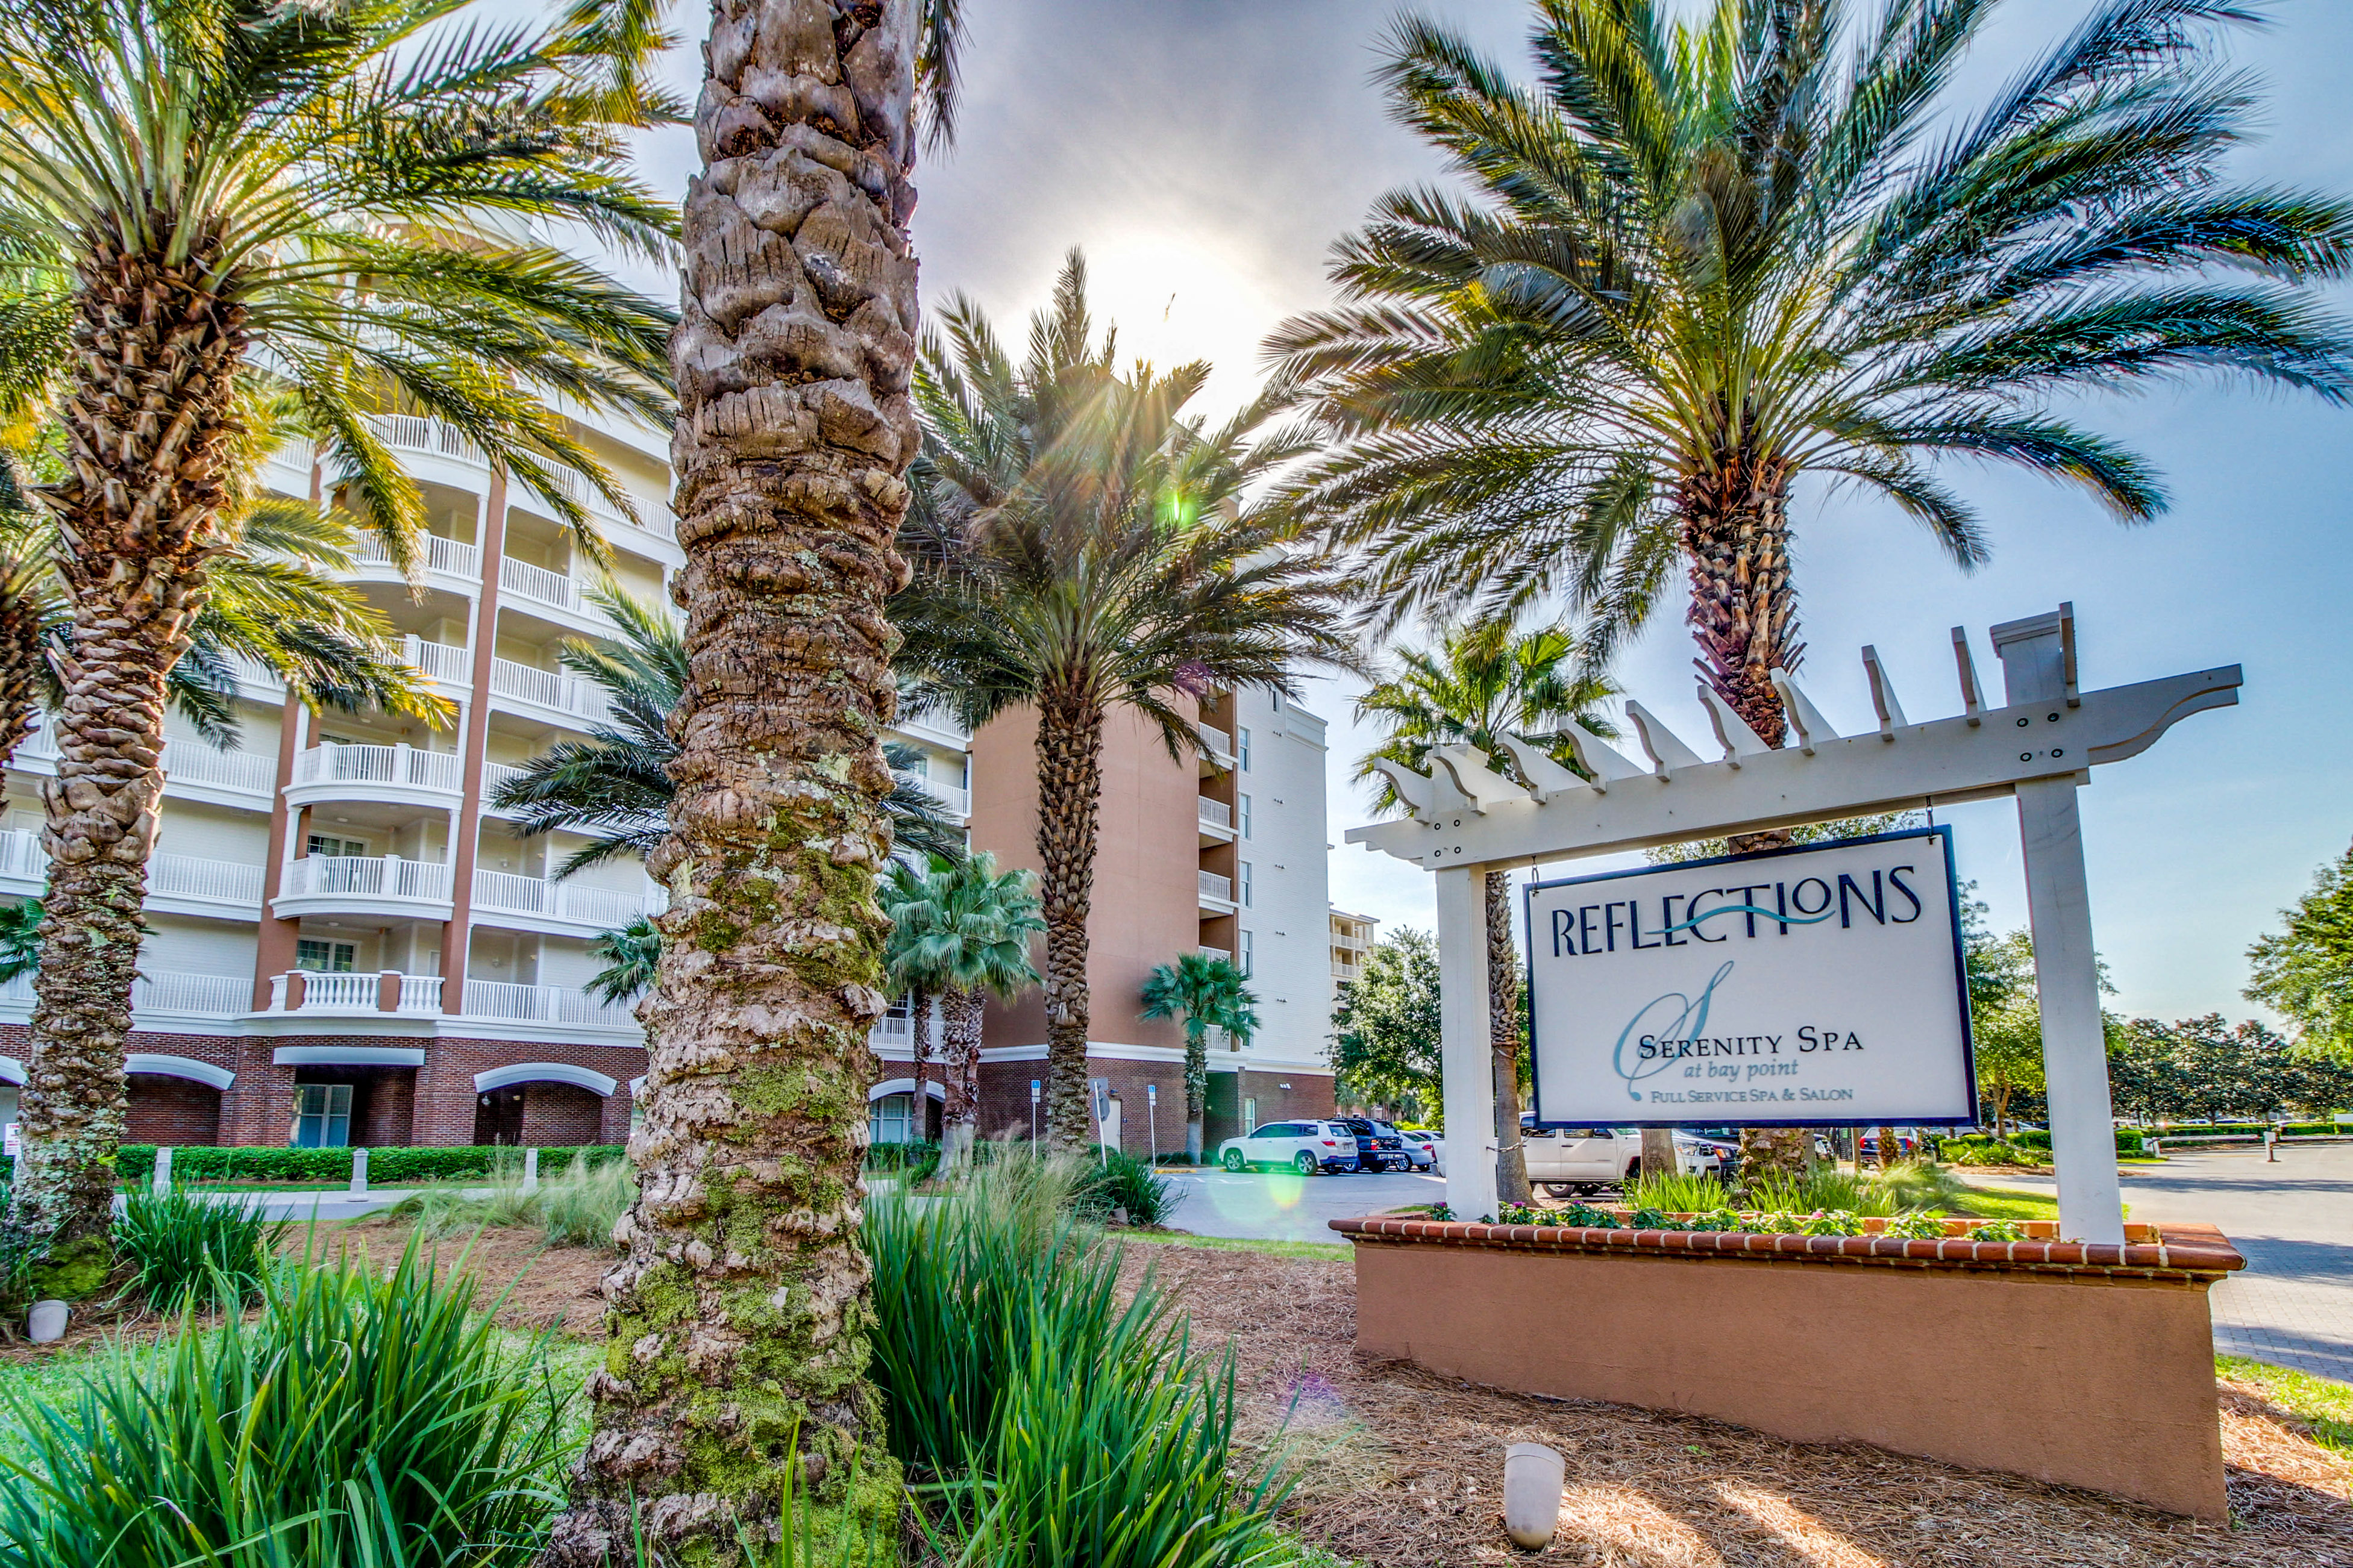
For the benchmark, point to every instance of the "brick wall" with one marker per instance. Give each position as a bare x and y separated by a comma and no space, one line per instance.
561,1115
172,1112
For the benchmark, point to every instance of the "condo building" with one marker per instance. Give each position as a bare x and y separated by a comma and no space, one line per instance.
349,944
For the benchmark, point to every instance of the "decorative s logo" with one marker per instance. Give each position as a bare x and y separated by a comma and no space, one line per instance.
1689,1012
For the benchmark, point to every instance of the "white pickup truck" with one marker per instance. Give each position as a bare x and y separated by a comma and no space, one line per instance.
1567,1161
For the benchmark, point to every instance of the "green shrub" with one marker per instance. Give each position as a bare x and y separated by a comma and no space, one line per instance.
1679,1192
917,1158
1823,1188
187,1246
577,1205
1123,1181
1960,1151
2130,1141
386,1167
354,1420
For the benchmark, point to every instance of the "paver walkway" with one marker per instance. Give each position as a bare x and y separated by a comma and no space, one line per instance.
2293,1304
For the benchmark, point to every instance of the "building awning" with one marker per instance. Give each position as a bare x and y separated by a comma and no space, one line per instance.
589,1078
220,1078
349,1056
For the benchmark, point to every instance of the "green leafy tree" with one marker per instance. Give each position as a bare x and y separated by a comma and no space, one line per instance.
1082,542
20,938
199,197
1385,1027
2206,1069
1483,687
616,786
1699,261
630,956
2306,968
961,932
2007,1021
1208,993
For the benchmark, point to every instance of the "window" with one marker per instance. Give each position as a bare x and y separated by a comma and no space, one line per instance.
888,1119
325,957
1241,747
328,845
1250,1111
1246,884
1243,814
1249,954
322,1116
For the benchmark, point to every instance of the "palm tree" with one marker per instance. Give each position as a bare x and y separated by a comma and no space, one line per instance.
1481,686
745,1269
1082,542
617,784
20,938
1700,261
913,972
199,194
962,930
1208,993
630,956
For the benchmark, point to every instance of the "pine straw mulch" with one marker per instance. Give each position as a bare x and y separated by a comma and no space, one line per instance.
1406,1468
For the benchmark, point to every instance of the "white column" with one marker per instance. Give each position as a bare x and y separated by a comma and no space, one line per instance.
2035,658
1469,1088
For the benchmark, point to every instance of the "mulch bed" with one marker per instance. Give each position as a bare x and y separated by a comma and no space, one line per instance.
1406,1468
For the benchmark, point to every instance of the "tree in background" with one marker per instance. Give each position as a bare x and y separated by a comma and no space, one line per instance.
631,956
2006,1019
1701,259
1385,1024
202,196
20,938
1208,993
1481,686
911,968
1080,541
2204,1069
2306,968
969,933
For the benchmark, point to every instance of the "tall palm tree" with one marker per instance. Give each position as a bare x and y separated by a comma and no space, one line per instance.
911,970
192,190
1481,686
1699,261
1208,993
617,785
745,1268
963,931
1082,542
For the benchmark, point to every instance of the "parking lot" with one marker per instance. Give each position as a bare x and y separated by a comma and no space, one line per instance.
1283,1206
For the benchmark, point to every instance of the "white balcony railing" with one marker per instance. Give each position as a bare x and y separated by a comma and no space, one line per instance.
438,660
339,992
609,908
1220,889
954,797
217,995
896,1030
1224,954
21,854
1219,743
333,762
565,694
192,876
1215,813
416,432
445,555
542,1003
184,762
538,584
420,993
653,517
366,876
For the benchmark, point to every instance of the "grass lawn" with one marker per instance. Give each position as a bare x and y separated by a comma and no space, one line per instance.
2323,1405
2006,1203
1240,1244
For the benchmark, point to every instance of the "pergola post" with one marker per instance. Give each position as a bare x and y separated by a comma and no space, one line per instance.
1466,1059
2038,667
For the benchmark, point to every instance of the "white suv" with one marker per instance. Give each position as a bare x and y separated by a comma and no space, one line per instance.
1306,1147
1567,1161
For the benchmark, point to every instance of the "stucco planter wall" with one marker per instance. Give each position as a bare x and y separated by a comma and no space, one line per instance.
2085,1365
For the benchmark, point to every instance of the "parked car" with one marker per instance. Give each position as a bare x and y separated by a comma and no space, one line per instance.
1423,1147
1378,1145
1567,1161
1907,1144
1305,1147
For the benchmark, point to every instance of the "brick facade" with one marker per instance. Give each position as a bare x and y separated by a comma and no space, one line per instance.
175,1112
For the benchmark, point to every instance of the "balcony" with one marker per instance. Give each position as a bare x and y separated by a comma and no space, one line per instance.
1217,821
562,694
192,880
191,769
538,586
1220,955
894,1031
1216,893
443,555
1217,750
394,774
543,1005
416,432
954,799
22,859
312,990
384,885
211,995
441,661
654,516
547,901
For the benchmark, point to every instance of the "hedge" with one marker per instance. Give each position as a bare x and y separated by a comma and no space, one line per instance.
2129,1140
386,1167
2254,1129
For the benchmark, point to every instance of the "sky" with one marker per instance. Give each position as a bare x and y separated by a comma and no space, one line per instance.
1206,154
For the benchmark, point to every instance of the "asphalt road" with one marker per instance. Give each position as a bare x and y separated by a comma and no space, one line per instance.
2293,1304
1285,1206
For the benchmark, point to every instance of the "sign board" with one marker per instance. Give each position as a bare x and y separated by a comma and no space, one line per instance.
1823,984
1100,1089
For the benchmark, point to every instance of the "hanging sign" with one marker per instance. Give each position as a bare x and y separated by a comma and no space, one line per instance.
1823,985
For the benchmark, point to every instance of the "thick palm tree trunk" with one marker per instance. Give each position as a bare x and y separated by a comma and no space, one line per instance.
1503,1041
146,419
960,1016
1743,612
738,1322
1070,794
919,1020
21,655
